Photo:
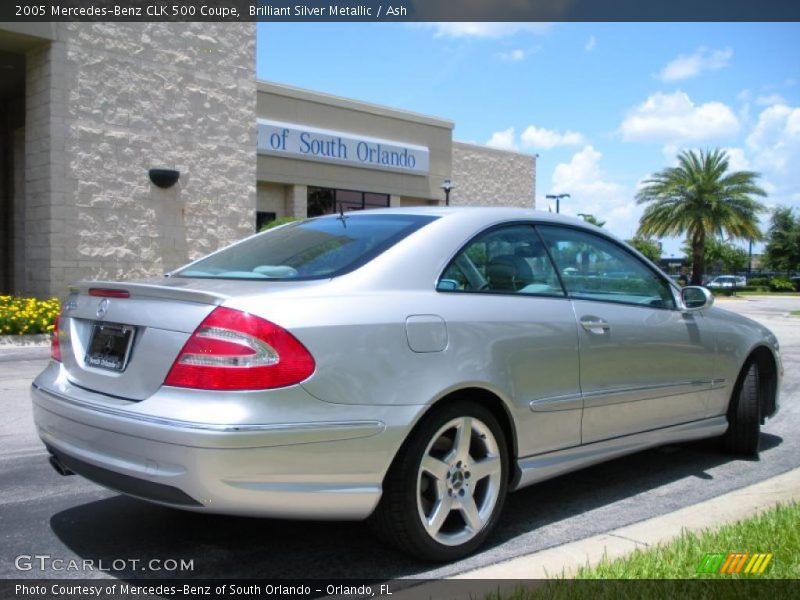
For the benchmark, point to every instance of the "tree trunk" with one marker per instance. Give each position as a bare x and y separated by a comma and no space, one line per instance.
698,257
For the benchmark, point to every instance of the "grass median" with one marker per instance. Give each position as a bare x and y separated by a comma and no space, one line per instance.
693,564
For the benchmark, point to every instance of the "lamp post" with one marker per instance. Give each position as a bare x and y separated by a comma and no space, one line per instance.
447,185
557,198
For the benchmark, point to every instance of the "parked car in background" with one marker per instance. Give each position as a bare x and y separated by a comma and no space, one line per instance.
727,281
405,366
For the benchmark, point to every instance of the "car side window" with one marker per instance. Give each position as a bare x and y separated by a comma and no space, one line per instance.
506,260
594,268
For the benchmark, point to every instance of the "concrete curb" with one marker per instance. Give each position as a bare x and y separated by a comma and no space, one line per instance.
566,559
24,341
733,506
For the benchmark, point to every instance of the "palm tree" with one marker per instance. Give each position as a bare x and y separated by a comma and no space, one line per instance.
701,198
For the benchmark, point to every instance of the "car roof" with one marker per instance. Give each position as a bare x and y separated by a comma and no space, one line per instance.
489,213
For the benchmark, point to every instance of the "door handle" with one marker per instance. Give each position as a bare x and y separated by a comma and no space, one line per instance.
595,325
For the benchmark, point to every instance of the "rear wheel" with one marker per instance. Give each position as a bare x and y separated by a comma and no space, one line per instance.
444,493
744,415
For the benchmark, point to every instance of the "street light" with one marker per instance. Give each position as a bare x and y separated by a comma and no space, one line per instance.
447,185
557,198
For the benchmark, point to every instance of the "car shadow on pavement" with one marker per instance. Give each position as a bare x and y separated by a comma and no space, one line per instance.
550,513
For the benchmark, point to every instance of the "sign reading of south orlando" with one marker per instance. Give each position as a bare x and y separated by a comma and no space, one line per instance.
310,143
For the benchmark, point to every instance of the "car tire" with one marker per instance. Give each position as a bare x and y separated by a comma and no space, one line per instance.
444,492
744,415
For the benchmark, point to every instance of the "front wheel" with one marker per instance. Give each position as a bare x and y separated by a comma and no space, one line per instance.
444,493
744,415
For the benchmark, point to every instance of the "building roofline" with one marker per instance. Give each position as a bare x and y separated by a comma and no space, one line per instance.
297,93
498,150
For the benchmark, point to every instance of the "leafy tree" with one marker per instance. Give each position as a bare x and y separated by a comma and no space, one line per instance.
701,198
782,252
277,223
647,246
592,219
720,255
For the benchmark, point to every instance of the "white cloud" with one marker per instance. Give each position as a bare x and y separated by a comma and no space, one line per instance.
773,146
770,100
582,175
670,118
513,55
775,140
590,43
484,30
535,137
737,161
687,66
591,192
503,140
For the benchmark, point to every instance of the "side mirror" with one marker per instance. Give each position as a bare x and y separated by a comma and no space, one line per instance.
695,297
447,284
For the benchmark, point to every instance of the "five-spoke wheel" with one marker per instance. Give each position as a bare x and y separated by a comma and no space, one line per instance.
459,481
444,492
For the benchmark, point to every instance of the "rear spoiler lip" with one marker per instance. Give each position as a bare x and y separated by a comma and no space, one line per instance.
152,290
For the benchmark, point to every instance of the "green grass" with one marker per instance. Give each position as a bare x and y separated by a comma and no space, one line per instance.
769,294
670,570
796,313
776,531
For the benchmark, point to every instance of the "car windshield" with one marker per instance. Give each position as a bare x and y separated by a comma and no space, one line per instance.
314,249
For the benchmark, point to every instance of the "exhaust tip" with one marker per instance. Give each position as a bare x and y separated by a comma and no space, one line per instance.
59,467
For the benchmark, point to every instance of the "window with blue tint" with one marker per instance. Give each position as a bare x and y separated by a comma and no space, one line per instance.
314,249
595,268
506,260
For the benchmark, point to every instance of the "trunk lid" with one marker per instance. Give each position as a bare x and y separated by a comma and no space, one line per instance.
125,346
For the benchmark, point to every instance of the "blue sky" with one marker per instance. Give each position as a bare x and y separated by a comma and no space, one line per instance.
603,104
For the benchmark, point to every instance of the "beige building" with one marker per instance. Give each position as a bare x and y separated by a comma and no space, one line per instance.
89,109
317,153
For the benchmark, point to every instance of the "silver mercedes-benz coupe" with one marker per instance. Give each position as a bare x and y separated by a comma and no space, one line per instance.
405,366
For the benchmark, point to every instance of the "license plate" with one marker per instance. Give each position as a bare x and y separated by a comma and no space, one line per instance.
109,346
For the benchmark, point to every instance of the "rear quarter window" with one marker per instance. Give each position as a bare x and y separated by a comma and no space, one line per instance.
313,249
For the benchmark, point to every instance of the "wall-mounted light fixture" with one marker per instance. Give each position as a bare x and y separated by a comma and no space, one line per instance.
164,178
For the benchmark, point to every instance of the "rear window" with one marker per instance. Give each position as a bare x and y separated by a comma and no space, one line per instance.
313,249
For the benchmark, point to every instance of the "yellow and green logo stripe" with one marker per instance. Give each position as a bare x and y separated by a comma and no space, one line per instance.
735,562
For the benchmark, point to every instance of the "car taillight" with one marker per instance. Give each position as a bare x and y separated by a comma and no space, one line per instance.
55,343
233,350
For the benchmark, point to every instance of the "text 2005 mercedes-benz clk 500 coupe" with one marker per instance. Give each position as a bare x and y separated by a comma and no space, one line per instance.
406,366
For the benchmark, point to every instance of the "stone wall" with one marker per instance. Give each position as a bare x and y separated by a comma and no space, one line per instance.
485,176
105,103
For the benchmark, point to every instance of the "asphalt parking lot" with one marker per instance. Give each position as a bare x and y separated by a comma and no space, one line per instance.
69,518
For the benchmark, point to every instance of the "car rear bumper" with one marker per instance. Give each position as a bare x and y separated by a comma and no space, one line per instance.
326,468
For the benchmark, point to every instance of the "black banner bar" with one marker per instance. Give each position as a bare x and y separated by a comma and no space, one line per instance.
398,589
399,10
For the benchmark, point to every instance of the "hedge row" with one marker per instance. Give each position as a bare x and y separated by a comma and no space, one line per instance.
20,316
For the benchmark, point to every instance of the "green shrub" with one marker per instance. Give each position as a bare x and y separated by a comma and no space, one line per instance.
781,284
758,281
278,223
27,315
